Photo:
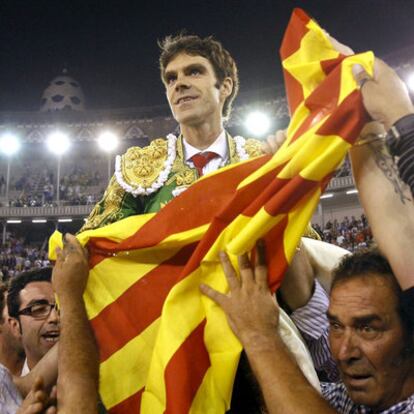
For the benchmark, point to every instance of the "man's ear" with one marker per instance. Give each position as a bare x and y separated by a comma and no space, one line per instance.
226,88
15,327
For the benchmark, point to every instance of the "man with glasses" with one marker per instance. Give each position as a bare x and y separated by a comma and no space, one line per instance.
31,302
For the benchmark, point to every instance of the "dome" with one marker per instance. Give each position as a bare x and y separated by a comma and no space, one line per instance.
63,93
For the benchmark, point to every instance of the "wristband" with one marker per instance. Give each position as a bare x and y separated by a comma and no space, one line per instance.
403,127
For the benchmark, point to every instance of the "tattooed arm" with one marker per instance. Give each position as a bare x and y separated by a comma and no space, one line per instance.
388,204
386,199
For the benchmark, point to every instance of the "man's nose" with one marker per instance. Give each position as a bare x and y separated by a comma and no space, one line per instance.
182,83
348,347
54,316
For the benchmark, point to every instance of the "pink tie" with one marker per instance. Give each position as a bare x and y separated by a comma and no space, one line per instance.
201,159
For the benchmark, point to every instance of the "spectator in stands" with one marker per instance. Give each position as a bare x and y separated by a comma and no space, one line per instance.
353,235
16,256
31,302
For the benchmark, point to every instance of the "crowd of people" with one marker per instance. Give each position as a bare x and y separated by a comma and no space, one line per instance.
352,234
355,315
36,187
17,256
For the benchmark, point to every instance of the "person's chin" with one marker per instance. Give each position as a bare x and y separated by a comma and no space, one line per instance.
187,117
363,396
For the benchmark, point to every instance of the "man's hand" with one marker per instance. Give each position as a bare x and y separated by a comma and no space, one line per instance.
38,400
274,142
250,307
70,273
385,95
297,285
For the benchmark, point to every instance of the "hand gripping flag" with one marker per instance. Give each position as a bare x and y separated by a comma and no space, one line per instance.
165,348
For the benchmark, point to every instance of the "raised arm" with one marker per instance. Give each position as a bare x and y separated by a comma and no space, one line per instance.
386,199
78,360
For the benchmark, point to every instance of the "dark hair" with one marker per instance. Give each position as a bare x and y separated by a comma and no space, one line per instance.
223,64
18,283
369,263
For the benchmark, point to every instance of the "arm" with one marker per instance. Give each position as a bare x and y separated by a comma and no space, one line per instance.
46,368
78,354
38,401
253,316
387,201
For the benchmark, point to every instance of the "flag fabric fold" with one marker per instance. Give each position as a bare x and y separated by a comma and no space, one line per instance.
164,347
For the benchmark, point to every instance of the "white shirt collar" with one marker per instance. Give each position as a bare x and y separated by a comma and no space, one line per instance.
25,369
219,146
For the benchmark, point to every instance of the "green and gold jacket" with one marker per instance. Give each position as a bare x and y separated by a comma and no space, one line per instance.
140,184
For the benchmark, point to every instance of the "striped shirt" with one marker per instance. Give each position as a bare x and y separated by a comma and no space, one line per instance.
313,324
337,396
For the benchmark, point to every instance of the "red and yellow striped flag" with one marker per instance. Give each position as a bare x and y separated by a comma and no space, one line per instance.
164,347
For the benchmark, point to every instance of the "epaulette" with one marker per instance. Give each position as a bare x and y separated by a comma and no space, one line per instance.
253,147
142,171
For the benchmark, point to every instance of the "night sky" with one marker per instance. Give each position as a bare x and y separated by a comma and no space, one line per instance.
110,47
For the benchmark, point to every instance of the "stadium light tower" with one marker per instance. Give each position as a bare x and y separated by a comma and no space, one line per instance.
108,142
9,145
58,143
257,123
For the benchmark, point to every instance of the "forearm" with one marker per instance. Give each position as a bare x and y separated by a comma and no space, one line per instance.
78,361
285,389
46,368
389,207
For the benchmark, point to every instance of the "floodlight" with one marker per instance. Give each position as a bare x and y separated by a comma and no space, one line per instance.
13,221
257,123
354,191
58,142
39,221
9,144
107,141
410,82
65,220
327,195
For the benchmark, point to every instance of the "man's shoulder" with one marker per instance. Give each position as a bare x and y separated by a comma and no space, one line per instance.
139,169
158,148
253,147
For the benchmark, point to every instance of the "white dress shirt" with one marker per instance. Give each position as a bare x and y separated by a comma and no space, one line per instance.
219,146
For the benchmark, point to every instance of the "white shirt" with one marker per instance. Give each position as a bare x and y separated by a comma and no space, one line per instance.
10,399
219,146
25,369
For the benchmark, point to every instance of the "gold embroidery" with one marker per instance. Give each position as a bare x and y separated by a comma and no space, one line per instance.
142,166
233,156
110,205
182,174
253,147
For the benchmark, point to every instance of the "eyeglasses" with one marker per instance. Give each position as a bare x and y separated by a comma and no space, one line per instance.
38,310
